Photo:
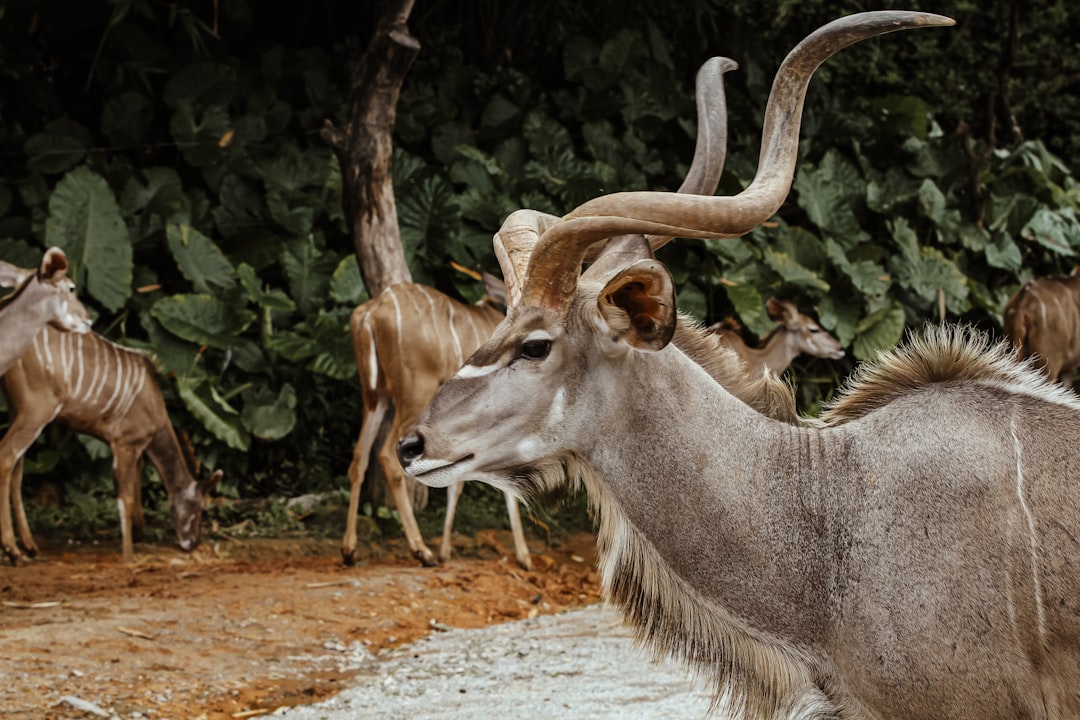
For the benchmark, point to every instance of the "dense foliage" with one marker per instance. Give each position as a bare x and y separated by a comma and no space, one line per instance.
173,150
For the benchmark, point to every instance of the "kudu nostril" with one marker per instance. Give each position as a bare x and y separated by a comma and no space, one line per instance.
409,448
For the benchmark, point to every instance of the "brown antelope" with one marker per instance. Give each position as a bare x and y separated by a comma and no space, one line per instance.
100,388
912,555
411,338
1043,321
796,334
408,340
42,297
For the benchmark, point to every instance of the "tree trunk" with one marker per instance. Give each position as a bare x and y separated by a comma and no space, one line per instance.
364,147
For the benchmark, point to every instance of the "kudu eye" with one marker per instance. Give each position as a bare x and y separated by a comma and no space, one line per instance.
535,349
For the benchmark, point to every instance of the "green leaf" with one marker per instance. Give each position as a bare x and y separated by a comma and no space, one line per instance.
158,192
339,365
926,271
309,270
1056,230
201,135
750,307
1003,252
220,419
867,276
203,319
84,220
59,147
692,300
498,111
840,317
879,330
346,285
827,194
932,201
267,416
291,212
199,259
253,286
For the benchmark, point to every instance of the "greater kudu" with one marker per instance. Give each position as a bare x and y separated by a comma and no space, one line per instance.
1043,321
796,334
913,556
411,338
42,297
103,389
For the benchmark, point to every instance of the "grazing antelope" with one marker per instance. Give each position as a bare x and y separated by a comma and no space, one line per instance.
912,555
42,297
1043,322
796,334
96,387
411,338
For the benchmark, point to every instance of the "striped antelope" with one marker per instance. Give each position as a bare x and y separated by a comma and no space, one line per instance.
1043,321
411,338
796,334
42,297
408,341
96,387
913,555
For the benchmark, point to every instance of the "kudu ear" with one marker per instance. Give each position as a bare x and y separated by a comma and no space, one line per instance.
54,265
11,275
638,303
495,289
207,485
781,310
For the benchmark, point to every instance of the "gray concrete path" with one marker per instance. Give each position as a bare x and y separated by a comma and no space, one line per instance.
581,664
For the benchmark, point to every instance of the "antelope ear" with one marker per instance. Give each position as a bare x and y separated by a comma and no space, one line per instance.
207,485
11,275
495,289
54,265
639,305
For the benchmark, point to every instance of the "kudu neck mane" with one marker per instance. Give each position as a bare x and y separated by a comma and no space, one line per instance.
941,354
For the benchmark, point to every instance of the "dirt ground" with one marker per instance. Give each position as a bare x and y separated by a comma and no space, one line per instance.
241,627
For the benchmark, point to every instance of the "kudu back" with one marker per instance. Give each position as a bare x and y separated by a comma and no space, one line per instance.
1043,322
911,555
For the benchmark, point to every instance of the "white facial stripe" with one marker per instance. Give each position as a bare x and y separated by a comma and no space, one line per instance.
558,408
475,371
537,335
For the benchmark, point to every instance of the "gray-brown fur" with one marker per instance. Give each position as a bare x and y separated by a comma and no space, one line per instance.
915,557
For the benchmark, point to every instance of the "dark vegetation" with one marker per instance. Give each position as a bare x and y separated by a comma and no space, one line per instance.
173,150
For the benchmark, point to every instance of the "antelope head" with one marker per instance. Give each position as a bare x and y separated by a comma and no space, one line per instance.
187,507
534,398
51,290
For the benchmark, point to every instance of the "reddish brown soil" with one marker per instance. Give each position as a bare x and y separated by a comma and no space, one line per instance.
240,628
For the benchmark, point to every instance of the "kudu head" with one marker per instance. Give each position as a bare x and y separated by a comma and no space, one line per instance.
187,507
49,292
534,397
804,334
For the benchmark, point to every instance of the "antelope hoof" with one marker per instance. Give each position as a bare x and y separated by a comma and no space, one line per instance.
17,558
348,557
426,558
